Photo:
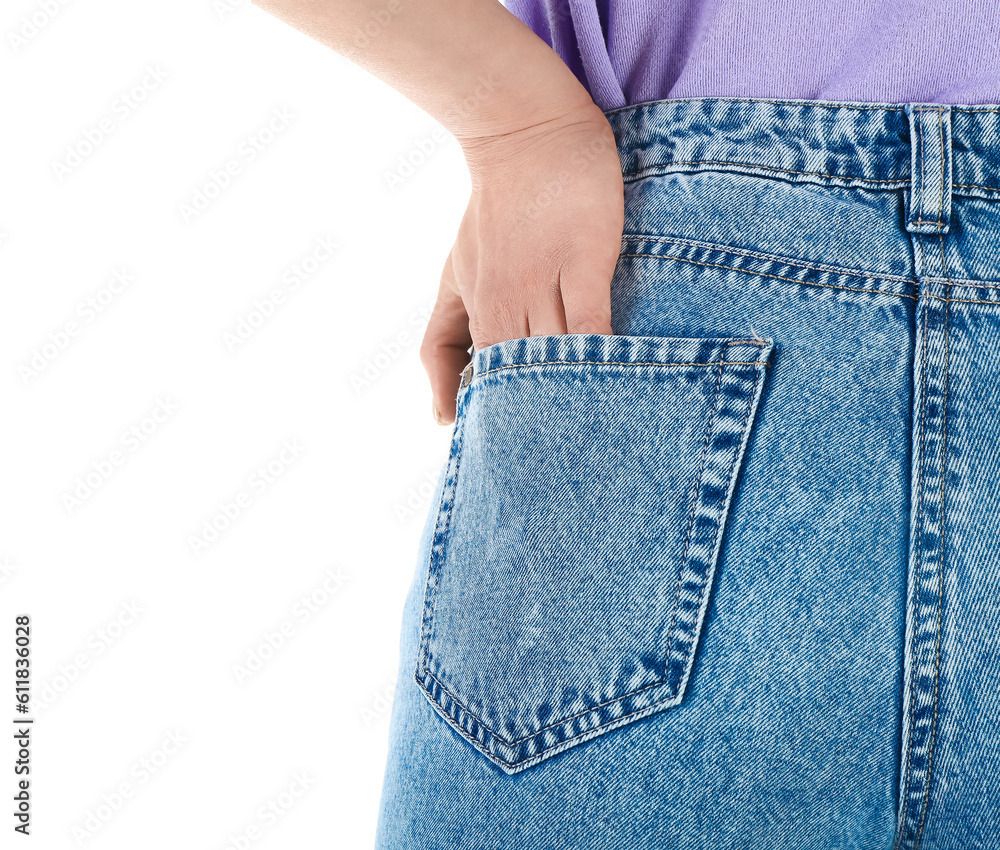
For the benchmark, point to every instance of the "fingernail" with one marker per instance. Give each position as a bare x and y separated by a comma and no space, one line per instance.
437,414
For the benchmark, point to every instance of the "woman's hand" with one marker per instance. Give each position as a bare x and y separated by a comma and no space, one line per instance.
539,241
536,249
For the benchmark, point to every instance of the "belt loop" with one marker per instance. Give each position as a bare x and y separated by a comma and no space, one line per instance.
929,199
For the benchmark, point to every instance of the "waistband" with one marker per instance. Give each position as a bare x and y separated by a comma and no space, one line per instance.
932,150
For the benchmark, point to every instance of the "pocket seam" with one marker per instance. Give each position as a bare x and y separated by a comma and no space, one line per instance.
562,745
441,534
693,499
710,563
658,683
617,363
673,681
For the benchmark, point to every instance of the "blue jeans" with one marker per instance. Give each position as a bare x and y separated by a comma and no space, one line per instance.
731,577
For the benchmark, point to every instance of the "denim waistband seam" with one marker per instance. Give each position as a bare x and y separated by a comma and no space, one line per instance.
898,182
955,283
932,151
975,186
822,104
774,258
966,283
666,167
755,273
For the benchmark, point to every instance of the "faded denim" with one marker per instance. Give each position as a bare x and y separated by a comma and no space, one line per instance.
731,577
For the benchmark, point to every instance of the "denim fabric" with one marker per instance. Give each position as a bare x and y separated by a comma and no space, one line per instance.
581,614
730,578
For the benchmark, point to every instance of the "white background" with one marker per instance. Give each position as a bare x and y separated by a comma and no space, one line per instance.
136,636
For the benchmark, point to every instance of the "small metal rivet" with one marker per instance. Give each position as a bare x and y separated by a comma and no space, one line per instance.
466,376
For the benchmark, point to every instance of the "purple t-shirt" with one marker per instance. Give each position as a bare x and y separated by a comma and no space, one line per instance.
882,51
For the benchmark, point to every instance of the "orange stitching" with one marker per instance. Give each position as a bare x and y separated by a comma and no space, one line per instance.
976,186
944,167
778,276
555,748
901,181
430,594
940,616
826,285
695,497
619,363
743,252
758,165
562,722
937,222
963,300
923,163
968,283
918,536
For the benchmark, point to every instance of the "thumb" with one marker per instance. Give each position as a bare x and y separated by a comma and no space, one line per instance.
444,351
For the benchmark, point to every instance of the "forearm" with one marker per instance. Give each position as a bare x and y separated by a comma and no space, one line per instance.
470,64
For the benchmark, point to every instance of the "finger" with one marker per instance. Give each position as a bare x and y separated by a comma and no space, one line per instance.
499,314
586,299
545,315
444,351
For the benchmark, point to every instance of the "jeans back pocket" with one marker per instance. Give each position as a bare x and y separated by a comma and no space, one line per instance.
580,522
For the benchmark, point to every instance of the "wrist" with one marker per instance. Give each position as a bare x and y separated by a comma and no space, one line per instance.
580,133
